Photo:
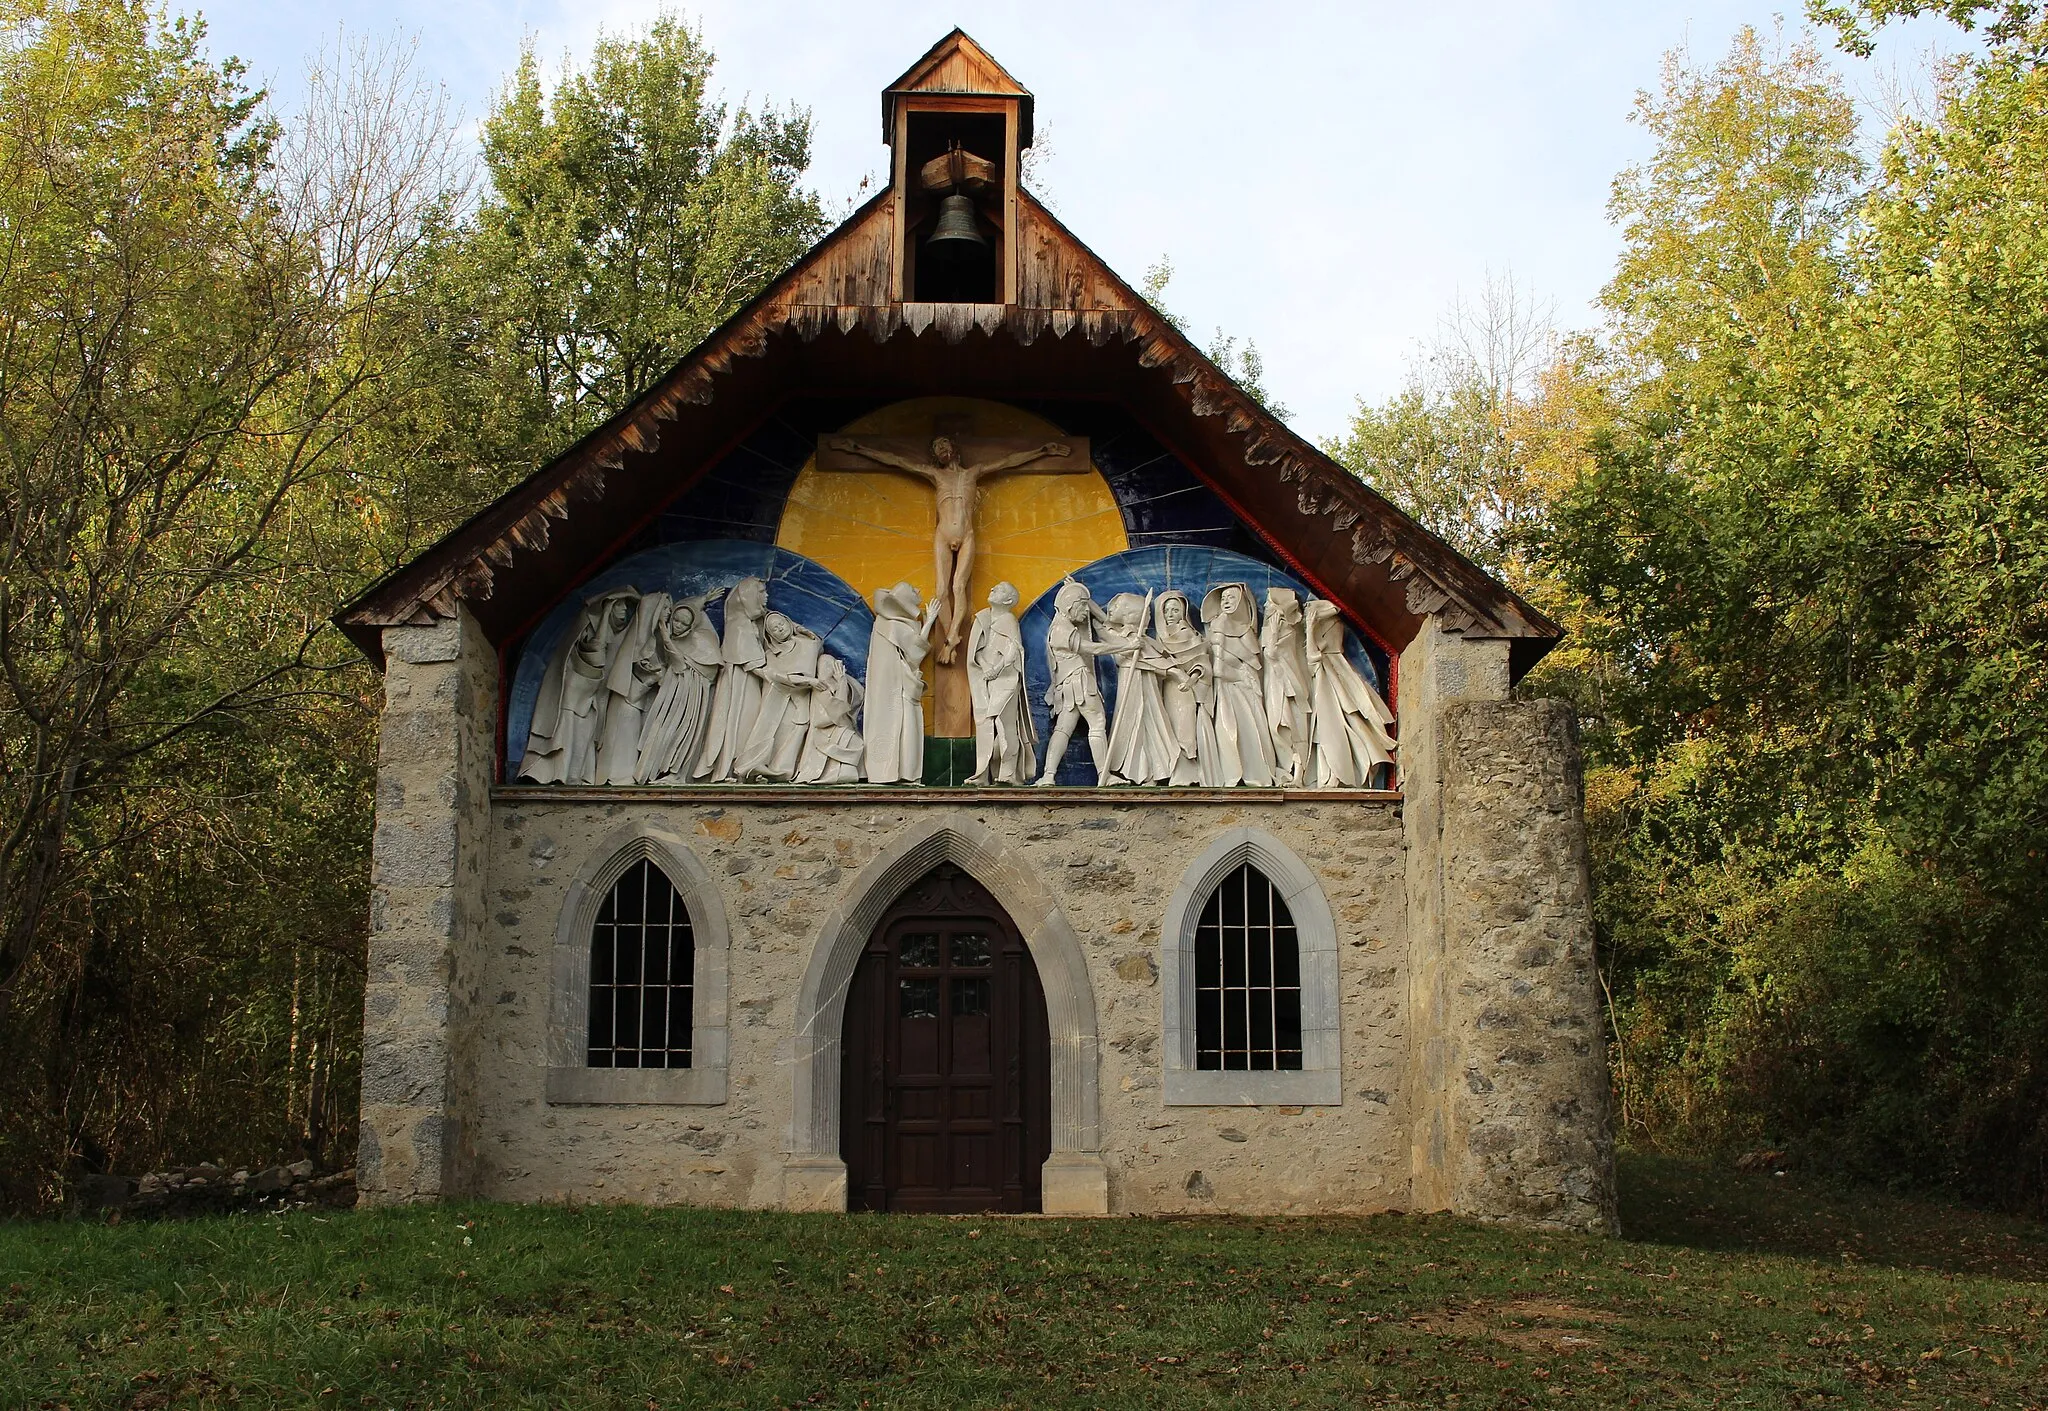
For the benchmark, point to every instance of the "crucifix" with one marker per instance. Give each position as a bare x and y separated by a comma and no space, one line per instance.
954,466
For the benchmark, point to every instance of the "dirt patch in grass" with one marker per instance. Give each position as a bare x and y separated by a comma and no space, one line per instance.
1530,1324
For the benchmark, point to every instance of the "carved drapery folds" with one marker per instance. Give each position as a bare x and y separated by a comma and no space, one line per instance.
645,691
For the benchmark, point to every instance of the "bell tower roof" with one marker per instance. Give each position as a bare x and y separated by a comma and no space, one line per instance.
958,66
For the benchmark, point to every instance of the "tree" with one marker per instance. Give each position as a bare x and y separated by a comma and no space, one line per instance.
1243,365
198,315
1470,445
628,214
1813,553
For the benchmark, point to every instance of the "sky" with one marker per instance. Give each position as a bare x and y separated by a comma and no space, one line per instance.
1327,178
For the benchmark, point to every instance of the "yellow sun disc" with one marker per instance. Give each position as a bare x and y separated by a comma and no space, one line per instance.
874,528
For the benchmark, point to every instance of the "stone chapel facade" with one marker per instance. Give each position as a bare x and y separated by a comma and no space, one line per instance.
945,747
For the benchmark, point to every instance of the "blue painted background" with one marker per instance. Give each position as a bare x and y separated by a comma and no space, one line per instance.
742,494
1191,568
805,592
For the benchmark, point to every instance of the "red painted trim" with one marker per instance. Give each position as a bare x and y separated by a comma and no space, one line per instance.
602,560
1173,446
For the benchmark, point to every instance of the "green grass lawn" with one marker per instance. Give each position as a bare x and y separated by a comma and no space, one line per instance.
1732,1290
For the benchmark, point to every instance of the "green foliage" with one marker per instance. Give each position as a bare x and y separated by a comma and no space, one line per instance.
1816,1296
246,365
629,214
1811,547
1242,365
1469,446
2010,21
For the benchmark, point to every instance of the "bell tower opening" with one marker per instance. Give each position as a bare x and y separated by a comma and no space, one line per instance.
956,124
955,234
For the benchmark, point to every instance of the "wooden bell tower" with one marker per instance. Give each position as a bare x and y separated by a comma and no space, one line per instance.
956,124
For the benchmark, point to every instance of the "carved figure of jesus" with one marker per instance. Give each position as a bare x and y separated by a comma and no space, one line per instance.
958,486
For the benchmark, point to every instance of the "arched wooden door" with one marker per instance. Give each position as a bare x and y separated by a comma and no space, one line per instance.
946,1073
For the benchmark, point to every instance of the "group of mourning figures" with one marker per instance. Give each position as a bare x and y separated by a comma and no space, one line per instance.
646,691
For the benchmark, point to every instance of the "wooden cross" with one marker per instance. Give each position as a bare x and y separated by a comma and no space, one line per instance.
954,466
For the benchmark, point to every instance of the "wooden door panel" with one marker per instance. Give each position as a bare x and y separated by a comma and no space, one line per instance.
946,1100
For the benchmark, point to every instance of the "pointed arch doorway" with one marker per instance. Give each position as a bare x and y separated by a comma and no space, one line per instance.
946,1071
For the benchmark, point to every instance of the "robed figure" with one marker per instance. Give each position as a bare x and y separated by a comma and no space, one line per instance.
1187,690
895,694
1005,739
568,714
833,748
737,698
788,672
630,685
1287,695
1141,746
673,730
1244,740
1351,724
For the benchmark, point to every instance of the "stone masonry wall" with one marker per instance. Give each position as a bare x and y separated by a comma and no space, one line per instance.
427,916
1435,668
1527,1080
1508,1070
783,869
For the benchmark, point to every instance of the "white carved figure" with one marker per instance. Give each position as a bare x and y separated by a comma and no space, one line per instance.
1350,722
737,699
895,695
1075,695
958,488
1187,691
1005,739
630,684
673,731
776,743
1287,695
568,713
1244,740
1141,744
833,748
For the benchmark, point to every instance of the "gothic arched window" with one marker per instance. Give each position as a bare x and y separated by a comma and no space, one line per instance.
642,968
1247,978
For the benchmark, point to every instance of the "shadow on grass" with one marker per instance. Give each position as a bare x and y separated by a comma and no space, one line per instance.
1697,1204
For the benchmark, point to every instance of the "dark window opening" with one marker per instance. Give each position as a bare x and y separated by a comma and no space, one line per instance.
642,963
954,271
1247,978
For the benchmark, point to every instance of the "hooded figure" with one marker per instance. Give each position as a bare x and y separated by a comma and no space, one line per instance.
1244,740
1287,698
738,697
1005,739
833,750
895,692
1349,737
673,730
771,752
1186,690
1141,745
630,684
568,714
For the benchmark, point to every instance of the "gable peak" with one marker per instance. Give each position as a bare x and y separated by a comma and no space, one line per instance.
957,65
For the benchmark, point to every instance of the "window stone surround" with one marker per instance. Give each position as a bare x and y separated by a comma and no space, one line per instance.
1320,1079
570,1080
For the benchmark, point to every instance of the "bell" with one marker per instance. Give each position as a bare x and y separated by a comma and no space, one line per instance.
956,225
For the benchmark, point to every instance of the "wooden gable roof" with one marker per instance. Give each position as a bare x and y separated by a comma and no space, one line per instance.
956,64
829,324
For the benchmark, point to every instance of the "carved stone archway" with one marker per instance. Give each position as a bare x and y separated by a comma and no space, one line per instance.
1076,1179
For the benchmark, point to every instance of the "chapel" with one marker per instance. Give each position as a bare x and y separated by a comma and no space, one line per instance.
946,747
